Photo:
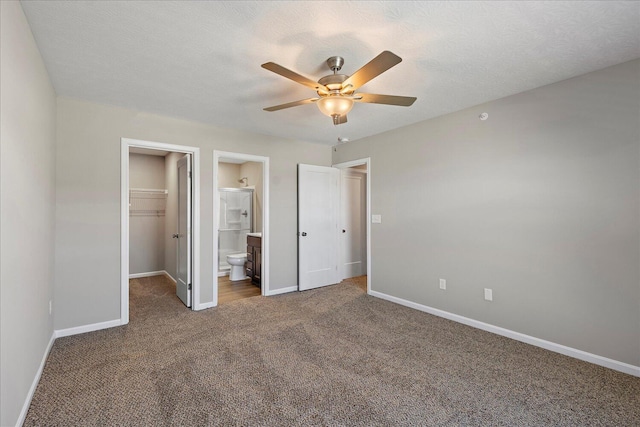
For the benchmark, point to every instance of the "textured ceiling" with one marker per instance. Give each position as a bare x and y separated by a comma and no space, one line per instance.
201,60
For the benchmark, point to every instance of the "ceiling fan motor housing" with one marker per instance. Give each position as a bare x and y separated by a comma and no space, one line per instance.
333,82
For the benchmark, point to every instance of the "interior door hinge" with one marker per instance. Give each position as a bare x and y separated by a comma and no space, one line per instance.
189,287
189,174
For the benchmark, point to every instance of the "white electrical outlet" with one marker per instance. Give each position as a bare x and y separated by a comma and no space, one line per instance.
376,219
488,294
443,284
50,307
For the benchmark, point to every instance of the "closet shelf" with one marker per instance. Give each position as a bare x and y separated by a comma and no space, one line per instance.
147,201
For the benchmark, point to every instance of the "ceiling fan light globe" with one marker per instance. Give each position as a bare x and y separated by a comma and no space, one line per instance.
335,105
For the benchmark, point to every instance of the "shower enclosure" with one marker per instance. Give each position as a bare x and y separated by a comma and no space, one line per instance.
236,220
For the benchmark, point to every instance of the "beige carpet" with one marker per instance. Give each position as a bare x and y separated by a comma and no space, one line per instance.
331,356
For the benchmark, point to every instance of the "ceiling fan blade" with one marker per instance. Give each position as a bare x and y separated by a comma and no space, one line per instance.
291,104
403,101
285,72
373,68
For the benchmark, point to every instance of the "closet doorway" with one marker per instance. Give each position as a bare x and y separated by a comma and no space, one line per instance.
160,217
355,220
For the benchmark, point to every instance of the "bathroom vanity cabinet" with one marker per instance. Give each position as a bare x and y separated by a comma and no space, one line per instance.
254,259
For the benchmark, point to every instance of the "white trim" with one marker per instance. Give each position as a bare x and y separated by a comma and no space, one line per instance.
265,217
34,383
195,232
151,274
125,144
206,305
548,345
124,232
349,164
87,328
282,291
147,274
169,276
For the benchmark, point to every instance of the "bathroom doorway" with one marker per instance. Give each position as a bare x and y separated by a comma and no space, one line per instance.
240,215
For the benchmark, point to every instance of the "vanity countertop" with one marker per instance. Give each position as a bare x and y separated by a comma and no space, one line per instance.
254,234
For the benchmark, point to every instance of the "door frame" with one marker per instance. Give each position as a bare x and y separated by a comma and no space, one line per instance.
217,155
125,144
345,165
345,175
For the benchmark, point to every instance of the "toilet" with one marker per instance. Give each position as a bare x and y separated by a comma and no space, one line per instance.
236,261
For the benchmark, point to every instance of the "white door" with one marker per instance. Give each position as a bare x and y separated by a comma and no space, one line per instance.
353,217
183,281
318,200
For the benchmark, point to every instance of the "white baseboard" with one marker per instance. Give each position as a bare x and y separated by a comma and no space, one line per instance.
281,291
36,380
169,276
151,274
548,345
203,306
87,328
147,274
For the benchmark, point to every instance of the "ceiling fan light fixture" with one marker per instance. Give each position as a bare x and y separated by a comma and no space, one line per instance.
335,105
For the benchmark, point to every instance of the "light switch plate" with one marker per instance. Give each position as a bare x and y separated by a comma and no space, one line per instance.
376,219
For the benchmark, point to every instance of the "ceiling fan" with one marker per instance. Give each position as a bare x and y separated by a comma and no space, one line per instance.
337,92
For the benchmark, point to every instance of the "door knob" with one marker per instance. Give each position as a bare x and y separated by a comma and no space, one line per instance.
344,231
304,234
175,236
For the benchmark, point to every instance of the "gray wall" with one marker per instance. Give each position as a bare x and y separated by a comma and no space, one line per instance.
88,201
146,171
228,175
540,203
146,232
27,132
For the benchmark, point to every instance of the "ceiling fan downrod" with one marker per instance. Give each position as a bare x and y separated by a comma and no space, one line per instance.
335,63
